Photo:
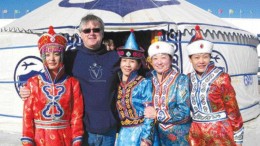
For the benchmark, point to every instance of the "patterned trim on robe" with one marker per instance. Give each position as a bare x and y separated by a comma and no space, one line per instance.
128,115
238,135
199,92
161,98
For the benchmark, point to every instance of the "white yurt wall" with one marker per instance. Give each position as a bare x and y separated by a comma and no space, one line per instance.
19,54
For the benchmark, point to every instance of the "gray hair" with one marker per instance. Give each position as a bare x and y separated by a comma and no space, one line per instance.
91,17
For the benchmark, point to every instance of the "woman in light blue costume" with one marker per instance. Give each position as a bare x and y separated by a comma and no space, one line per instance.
171,102
134,94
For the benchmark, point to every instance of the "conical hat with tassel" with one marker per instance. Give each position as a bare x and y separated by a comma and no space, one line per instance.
198,44
131,48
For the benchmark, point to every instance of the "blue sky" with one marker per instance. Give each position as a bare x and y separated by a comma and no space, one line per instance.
22,7
222,8
241,8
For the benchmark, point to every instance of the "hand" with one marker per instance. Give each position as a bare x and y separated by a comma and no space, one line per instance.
143,143
110,47
24,92
238,144
150,112
107,47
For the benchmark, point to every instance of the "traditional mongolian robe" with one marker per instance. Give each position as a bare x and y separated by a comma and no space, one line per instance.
131,100
216,117
53,113
172,103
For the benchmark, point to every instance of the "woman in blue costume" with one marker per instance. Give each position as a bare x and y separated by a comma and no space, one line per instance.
134,94
171,102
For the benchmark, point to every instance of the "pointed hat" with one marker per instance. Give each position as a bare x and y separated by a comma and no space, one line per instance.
199,45
131,49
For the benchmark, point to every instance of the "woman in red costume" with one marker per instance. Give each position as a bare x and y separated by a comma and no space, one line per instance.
53,113
216,119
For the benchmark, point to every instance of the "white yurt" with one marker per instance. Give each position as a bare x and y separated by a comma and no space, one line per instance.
234,49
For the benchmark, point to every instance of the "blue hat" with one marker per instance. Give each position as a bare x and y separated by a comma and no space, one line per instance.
131,49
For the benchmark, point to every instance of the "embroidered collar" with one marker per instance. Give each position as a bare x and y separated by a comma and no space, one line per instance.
164,74
60,76
209,68
132,76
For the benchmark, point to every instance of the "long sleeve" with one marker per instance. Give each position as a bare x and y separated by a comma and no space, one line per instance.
232,109
28,117
77,115
148,128
178,110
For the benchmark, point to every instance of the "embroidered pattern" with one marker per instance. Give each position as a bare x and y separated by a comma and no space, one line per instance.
209,117
131,122
53,124
238,135
53,109
124,106
161,96
199,93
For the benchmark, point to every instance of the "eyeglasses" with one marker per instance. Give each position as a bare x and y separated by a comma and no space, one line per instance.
88,30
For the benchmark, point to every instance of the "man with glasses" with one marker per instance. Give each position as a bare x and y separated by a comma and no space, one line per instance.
96,69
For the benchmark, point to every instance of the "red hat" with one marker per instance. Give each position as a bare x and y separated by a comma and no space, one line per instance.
52,40
198,44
